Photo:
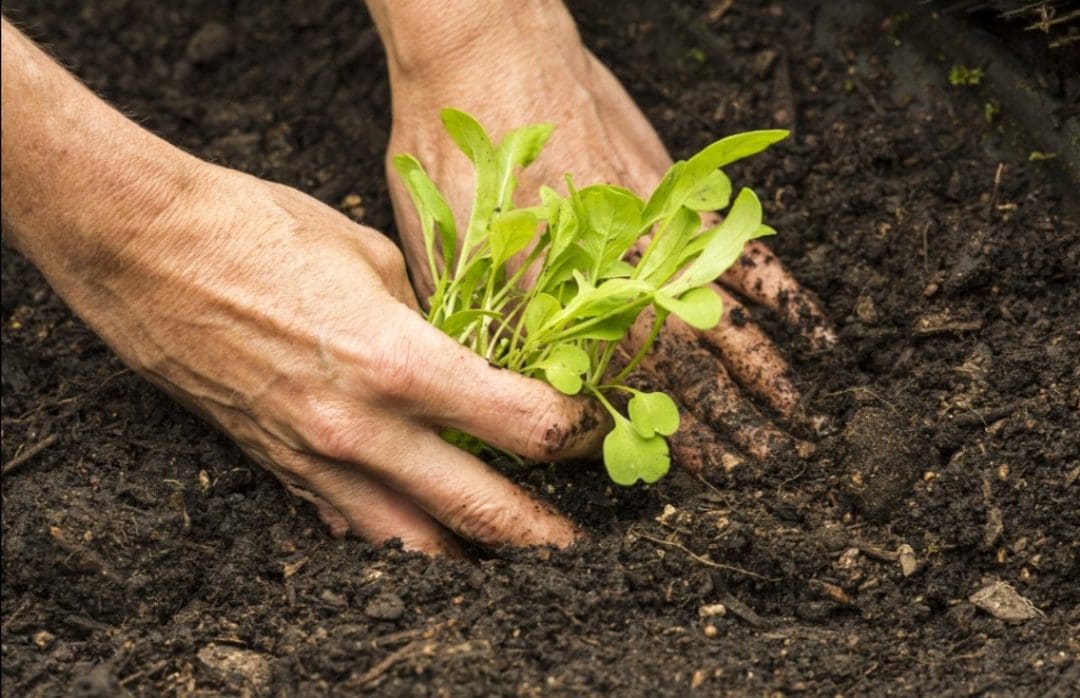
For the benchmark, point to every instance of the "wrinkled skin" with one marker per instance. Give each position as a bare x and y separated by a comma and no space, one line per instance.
282,322
601,136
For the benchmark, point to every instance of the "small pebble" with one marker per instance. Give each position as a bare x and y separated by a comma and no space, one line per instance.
715,609
385,607
213,40
711,631
44,639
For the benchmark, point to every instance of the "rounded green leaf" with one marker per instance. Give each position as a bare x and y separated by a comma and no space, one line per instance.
540,308
699,307
629,457
510,233
654,413
713,194
564,367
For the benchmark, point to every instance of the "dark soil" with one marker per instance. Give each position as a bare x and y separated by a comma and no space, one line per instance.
143,553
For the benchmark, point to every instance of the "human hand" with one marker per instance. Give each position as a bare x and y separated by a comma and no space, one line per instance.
296,332
600,136
292,328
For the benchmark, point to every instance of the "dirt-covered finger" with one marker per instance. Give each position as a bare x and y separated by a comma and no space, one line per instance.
701,382
698,450
751,357
761,277
695,447
469,497
350,500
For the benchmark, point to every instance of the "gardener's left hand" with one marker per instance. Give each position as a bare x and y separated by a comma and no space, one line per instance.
451,56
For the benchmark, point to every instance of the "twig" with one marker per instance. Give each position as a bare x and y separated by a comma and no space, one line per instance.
786,95
791,479
868,391
88,560
743,611
29,453
143,673
867,94
875,552
703,560
413,634
994,194
420,647
717,13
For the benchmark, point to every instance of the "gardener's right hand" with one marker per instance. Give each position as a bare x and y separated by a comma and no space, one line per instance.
292,328
470,55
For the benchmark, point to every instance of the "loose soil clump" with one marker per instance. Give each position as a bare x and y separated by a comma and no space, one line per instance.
144,555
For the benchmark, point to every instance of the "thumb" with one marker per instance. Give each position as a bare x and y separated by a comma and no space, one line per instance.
523,415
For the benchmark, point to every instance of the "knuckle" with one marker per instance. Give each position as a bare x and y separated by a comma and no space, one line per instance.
328,432
484,521
395,377
387,259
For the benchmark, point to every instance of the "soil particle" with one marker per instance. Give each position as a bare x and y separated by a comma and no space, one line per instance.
211,42
387,606
881,461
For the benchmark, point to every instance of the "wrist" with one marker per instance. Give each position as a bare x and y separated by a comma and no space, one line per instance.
425,40
82,185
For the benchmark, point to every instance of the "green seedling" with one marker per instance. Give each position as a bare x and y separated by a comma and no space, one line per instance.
963,76
565,324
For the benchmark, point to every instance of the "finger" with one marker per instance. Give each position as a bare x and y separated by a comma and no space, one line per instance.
751,358
761,277
448,385
700,381
467,496
350,500
694,447
698,450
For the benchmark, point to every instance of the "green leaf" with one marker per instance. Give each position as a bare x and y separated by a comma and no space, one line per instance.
609,329
471,138
540,308
510,233
659,204
610,296
613,217
565,230
573,259
671,238
723,152
699,307
653,413
763,231
517,149
460,321
616,269
564,367
629,457
474,277
431,208
713,194
725,245
697,244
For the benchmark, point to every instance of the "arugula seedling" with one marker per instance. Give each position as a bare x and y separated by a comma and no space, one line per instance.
564,327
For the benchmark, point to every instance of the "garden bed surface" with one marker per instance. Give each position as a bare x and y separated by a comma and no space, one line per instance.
143,553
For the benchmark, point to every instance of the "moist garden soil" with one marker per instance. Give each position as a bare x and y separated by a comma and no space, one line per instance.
144,555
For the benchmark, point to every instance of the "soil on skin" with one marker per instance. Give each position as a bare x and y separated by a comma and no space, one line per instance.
144,555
